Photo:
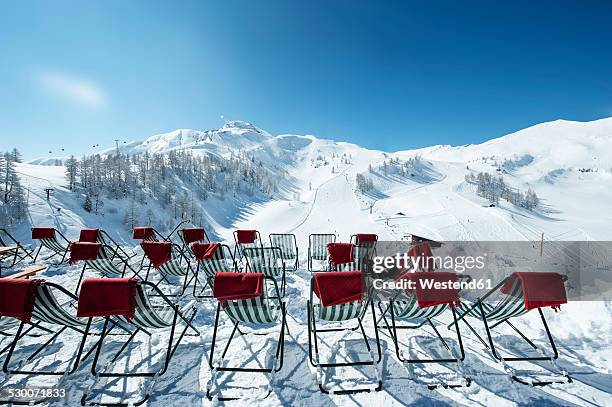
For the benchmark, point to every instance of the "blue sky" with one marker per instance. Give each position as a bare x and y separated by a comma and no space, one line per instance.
390,75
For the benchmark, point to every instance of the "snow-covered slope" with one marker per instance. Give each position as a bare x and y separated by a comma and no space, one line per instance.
568,164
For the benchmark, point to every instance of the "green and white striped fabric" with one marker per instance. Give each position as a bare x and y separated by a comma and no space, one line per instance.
266,260
173,268
53,244
409,309
318,245
215,265
286,242
512,305
47,309
342,312
243,246
252,311
147,316
104,265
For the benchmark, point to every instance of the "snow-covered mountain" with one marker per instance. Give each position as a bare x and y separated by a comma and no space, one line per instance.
568,164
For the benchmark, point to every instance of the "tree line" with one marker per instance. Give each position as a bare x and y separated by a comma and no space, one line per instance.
13,201
180,181
495,188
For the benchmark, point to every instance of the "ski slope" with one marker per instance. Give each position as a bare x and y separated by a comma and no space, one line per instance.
321,197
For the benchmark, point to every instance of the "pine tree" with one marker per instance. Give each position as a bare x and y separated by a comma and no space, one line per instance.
87,205
16,155
131,218
71,172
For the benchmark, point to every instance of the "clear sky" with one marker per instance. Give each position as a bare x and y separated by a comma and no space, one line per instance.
390,75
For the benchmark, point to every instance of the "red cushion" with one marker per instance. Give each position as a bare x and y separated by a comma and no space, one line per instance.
335,288
237,286
429,295
540,289
205,251
340,253
43,233
83,251
143,232
246,236
191,235
17,297
104,297
422,255
157,252
365,238
89,235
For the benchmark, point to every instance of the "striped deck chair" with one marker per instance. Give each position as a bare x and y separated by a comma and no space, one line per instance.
102,237
146,234
179,266
49,311
109,263
404,307
255,313
222,260
511,305
175,231
268,261
317,248
187,236
7,240
364,239
333,316
288,245
246,239
149,317
359,257
48,238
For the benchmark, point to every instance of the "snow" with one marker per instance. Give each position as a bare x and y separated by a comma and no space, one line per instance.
319,197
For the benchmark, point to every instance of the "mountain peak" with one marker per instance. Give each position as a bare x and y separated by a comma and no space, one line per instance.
239,124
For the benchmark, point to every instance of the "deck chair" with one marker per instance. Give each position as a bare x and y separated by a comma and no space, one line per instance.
56,318
146,234
256,312
288,245
245,239
19,254
188,236
175,264
332,315
268,261
106,260
514,304
146,318
343,256
365,239
317,248
221,259
408,307
48,238
175,231
101,236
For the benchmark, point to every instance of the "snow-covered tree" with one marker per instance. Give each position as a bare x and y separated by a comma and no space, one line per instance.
71,172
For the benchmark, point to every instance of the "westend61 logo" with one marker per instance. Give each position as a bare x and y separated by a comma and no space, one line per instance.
408,263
